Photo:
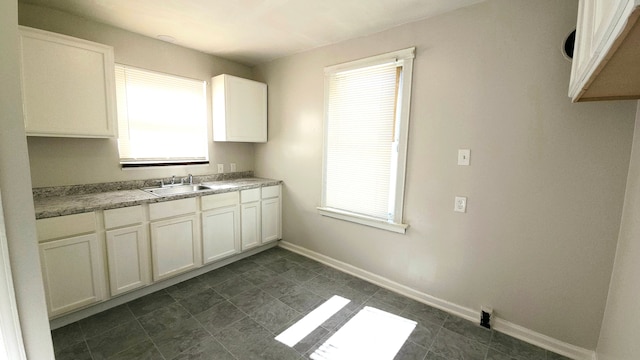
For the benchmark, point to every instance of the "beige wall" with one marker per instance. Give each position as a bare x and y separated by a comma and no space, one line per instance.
547,177
66,161
621,324
17,201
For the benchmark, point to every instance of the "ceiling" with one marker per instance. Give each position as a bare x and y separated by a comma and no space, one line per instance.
254,31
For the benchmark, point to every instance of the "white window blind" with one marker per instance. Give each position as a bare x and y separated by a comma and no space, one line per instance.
161,118
360,138
365,138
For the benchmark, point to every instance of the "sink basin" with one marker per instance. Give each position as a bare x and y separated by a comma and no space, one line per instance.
177,189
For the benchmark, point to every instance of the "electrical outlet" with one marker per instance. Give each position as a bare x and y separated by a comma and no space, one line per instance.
220,168
464,156
460,204
485,316
232,167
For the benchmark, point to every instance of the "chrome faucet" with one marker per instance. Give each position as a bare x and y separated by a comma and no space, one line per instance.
190,179
173,179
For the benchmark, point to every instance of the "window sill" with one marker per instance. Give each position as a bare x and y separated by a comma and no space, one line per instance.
363,220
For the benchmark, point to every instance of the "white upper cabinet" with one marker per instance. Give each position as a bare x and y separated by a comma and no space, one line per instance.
239,109
607,51
67,86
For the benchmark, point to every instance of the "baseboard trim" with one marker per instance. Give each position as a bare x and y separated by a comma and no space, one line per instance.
501,325
543,341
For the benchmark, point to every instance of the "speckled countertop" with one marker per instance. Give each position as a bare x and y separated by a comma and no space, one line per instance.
68,200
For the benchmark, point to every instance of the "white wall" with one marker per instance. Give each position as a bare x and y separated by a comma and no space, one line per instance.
545,186
17,201
66,161
621,324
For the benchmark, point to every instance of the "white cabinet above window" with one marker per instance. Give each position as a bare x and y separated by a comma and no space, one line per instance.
239,109
67,86
607,51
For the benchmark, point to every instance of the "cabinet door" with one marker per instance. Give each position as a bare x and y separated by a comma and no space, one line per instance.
73,273
271,220
128,259
583,48
605,15
250,218
68,85
239,109
220,233
174,246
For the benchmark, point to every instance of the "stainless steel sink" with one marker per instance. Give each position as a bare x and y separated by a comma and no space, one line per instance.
177,189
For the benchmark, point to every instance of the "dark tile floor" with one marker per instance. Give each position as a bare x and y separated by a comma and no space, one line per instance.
236,311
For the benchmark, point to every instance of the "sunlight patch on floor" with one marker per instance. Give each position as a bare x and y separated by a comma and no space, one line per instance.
370,334
312,320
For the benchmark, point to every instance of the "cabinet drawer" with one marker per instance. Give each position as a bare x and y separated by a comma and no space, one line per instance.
65,226
124,216
219,200
250,195
172,208
270,191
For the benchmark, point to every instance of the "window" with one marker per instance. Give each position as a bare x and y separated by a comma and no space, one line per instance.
162,119
365,139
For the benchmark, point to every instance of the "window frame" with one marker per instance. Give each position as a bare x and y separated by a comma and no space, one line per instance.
403,58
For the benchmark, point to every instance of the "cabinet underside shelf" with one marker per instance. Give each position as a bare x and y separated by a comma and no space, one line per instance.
617,76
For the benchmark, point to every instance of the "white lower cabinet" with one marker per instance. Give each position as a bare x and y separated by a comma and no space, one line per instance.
271,214
128,257
127,249
250,216
72,265
136,247
175,240
220,226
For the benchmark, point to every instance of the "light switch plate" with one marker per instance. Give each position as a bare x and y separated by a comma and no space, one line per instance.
232,167
460,204
220,168
464,156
